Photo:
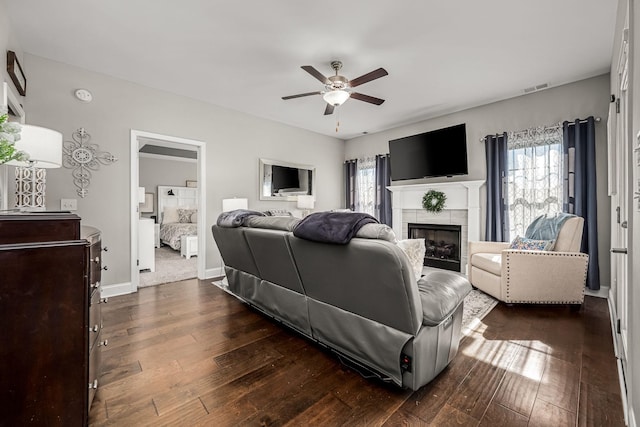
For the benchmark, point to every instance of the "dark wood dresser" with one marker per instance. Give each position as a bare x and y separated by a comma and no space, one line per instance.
50,317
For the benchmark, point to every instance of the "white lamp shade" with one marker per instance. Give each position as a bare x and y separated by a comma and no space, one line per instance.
306,202
233,204
336,97
43,145
140,194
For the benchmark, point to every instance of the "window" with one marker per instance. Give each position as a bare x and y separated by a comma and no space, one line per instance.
366,183
534,176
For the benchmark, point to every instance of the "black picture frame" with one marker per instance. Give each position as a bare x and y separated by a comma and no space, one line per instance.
15,72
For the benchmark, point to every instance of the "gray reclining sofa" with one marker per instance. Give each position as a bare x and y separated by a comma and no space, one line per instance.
361,299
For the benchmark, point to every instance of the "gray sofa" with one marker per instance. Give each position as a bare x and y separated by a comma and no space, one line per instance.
360,300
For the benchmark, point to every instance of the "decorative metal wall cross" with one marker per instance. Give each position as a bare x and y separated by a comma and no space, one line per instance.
83,158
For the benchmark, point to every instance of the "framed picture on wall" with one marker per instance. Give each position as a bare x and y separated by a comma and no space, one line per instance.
15,72
192,184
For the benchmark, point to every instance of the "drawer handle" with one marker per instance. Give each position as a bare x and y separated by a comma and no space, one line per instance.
105,268
104,300
96,285
106,249
97,260
95,328
94,385
103,343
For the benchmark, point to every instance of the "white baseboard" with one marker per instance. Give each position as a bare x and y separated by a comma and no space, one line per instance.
213,272
116,289
603,292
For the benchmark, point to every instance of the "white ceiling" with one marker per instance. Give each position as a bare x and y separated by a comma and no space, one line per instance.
442,56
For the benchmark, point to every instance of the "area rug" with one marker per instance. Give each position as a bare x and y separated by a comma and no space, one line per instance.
170,267
476,305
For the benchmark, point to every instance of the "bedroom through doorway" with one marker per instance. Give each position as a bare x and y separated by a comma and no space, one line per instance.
168,176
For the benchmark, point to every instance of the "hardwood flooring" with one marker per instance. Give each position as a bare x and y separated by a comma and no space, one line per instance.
186,353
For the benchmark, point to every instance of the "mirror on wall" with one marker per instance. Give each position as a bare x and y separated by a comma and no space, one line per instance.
285,181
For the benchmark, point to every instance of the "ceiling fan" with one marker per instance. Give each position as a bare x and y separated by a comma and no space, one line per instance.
338,88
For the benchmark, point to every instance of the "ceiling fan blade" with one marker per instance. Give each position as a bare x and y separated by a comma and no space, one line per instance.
366,98
328,110
315,73
375,74
300,95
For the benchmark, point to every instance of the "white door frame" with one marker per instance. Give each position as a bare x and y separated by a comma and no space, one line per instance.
202,191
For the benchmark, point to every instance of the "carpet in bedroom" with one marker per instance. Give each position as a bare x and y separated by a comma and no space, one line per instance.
170,267
476,305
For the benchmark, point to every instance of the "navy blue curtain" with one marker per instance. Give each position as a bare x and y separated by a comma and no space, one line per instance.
383,196
350,188
579,146
497,225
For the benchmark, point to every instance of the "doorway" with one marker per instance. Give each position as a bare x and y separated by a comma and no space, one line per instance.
190,194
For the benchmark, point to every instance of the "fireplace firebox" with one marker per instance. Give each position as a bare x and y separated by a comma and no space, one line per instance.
442,243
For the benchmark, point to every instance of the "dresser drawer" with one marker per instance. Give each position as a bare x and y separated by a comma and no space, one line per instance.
95,319
94,366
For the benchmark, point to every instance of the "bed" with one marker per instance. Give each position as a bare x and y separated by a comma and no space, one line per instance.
178,213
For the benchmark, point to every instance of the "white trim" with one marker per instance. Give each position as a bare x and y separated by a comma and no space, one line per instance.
200,146
163,157
632,419
214,272
116,289
464,195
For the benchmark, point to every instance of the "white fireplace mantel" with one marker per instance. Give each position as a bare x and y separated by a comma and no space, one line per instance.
463,195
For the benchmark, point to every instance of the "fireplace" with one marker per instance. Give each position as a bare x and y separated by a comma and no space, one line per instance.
442,243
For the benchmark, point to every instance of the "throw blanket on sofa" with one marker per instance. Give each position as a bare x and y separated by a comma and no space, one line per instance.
235,218
332,227
546,227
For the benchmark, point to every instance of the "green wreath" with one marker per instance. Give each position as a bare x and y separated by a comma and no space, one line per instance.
433,201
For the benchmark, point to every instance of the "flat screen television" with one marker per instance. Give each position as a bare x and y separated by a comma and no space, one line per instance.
441,152
284,178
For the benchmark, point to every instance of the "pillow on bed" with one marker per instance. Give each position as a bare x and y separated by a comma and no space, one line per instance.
170,214
184,215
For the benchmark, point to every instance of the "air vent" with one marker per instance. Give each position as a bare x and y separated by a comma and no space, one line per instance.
536,88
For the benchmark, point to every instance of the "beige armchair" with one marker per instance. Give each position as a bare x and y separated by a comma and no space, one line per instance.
544,277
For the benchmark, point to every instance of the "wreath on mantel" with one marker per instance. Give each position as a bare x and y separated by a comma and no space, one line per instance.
433,201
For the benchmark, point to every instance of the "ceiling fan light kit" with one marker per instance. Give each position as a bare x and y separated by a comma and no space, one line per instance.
337,88
336,97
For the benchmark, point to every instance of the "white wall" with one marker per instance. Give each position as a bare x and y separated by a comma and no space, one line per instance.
581,99
234,141
633,356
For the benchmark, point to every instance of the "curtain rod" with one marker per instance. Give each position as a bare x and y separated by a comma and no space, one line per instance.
559,125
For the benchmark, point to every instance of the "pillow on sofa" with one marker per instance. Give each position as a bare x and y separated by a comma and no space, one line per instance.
415,250
377,231
523,243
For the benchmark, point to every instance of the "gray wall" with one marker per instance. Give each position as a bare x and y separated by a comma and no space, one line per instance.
8,42
548,107
234,142
154,172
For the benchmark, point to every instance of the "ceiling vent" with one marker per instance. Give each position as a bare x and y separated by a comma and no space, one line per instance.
536,88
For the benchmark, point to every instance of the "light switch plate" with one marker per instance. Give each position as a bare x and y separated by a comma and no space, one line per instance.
68,204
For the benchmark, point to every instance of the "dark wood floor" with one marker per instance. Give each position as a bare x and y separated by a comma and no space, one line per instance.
187,353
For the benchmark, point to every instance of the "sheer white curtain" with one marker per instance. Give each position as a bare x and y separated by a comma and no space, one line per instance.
366,183
534,178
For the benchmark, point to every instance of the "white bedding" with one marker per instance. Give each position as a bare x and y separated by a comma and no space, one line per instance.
171,232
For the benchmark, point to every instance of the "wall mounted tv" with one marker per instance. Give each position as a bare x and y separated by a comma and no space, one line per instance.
441,152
